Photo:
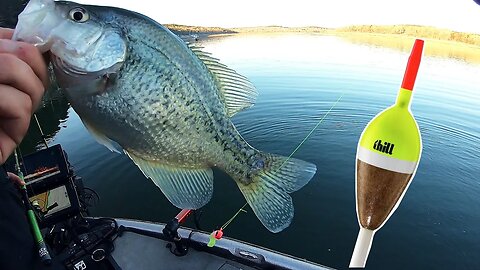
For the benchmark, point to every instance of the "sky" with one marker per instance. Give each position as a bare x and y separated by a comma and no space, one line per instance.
458,15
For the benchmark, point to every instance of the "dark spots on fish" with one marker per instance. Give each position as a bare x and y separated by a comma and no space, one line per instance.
164,88
189,102
237,144
258,164
188,117
165,122
225,145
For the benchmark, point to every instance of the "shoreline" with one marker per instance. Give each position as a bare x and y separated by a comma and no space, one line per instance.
426,32
440,42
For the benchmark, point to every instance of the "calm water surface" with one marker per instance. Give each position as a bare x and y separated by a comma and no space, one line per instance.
299,77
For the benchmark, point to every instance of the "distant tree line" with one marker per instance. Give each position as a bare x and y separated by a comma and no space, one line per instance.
416,31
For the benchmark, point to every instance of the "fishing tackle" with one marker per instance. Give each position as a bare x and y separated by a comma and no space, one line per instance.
214,236
388,155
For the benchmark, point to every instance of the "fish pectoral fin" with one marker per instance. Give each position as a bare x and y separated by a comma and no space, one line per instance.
102,138
237,92
186,188
268,193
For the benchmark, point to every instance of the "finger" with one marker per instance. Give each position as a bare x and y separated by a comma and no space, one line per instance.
15,113
30,55
7,145
15,179
18,74
6,33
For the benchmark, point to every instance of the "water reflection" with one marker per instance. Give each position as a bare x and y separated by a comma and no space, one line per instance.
438,48
52,115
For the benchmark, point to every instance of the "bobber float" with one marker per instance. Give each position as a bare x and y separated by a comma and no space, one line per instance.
388,155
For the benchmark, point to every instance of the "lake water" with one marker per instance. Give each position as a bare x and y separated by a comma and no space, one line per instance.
299,78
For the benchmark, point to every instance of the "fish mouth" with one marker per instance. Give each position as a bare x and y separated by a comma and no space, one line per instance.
66,68
80,82
68,76
74,71
90,58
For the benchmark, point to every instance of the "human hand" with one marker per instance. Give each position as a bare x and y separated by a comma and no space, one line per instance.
23,79
15,179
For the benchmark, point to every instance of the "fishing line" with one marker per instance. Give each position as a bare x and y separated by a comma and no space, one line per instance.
311,132
41,131
217,234
234,216
21,157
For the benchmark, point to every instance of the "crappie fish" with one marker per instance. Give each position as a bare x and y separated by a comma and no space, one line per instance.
167,104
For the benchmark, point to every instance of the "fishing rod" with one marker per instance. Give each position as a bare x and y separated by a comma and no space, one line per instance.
44,138
37,235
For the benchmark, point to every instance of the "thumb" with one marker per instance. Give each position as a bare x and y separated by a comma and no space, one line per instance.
15,179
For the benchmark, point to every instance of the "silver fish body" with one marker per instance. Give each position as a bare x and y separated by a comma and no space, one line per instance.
167,104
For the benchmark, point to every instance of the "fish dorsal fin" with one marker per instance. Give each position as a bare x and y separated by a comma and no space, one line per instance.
102,139
186,188
236,90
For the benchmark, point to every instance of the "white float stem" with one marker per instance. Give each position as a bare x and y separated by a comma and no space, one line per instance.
362,248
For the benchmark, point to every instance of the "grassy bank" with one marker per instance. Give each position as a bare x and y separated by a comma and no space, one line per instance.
415,31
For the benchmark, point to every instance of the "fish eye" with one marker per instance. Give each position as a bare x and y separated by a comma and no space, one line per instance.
79,15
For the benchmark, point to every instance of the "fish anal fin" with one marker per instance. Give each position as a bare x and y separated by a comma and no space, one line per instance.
186,188
237,92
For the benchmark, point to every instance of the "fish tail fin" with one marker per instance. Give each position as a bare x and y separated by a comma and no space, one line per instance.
267,192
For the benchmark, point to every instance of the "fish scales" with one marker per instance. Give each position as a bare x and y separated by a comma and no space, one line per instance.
135,91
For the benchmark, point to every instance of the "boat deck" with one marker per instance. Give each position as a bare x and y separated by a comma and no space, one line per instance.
138,251
153,254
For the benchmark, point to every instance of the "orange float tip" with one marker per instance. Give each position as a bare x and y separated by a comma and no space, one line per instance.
413,65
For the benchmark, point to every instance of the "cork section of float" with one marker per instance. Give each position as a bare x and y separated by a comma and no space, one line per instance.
378,190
